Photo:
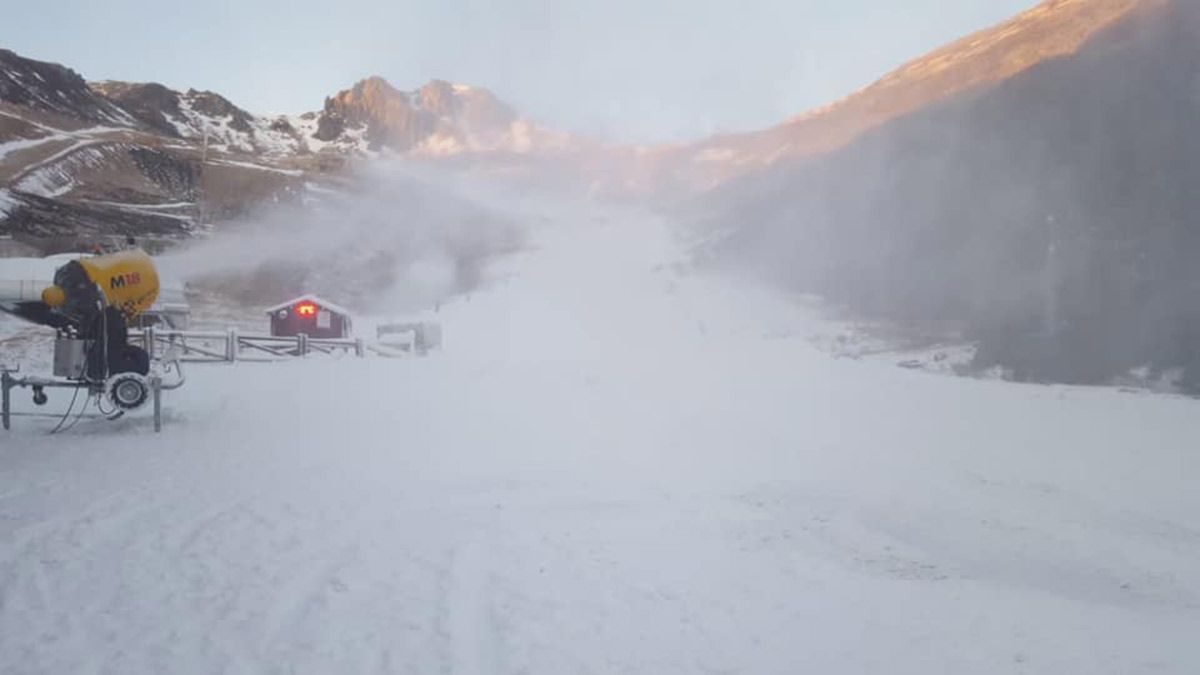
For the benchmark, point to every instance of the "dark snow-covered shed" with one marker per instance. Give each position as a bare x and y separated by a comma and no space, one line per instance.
311,316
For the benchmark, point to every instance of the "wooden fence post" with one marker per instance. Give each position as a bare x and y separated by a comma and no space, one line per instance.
231,345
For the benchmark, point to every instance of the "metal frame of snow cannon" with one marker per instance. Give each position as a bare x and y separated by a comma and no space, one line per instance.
155,382
40,384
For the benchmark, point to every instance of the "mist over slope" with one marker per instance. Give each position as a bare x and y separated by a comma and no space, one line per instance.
1053,214
393,237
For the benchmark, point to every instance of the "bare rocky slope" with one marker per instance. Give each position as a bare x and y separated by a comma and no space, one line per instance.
82,163
1050,30
1051,213
54,89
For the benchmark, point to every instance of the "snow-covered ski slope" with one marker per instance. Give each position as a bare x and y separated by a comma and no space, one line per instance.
615,466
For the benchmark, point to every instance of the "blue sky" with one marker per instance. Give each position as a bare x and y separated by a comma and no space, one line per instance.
624,69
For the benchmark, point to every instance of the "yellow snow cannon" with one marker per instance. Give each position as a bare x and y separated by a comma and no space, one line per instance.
127,281
91,304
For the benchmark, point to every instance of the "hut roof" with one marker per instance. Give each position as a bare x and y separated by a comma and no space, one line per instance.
309,297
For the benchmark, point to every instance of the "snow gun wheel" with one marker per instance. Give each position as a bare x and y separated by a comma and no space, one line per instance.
127,391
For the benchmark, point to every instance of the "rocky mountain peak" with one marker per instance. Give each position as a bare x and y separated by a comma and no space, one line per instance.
217,106
152,104
51,88
193,114
439,97
439,112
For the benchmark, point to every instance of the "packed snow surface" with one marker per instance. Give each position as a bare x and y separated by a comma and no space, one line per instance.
614,466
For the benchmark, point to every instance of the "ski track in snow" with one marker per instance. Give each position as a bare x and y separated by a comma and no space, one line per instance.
467,612
614,466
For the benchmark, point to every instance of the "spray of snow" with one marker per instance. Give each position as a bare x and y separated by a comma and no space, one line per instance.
397,239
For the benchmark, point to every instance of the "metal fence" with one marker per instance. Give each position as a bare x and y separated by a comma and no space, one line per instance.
231,346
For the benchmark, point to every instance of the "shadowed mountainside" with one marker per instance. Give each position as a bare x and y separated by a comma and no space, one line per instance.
1055,214
1051,30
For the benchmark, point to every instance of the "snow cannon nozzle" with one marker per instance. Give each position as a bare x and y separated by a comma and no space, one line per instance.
54,296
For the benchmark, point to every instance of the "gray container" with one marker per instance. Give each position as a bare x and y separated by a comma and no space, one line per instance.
70,358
